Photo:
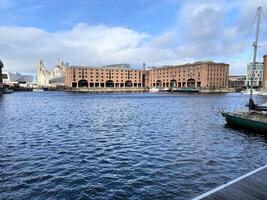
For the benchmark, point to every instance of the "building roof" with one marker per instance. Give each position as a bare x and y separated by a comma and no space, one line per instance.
256,63
188,64
116,67
16,77
123,66
242,75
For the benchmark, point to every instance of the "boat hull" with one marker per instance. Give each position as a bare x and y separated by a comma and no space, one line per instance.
242,122
153,90
186,90
7,91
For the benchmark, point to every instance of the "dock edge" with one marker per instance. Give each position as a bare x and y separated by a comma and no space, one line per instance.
229,183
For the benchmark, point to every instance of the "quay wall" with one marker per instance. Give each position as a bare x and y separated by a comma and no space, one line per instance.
221,90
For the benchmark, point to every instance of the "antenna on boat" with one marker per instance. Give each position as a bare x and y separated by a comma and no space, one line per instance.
255,45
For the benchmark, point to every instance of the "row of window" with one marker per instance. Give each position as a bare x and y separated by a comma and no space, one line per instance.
171,72
117,81
215,79
216,74
214,84
106,70
173,76
217,70
154,80
108,77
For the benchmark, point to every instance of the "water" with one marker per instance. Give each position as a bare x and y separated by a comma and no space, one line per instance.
57,145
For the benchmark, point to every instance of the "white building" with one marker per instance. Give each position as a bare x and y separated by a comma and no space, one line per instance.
258,74
17,79
46,78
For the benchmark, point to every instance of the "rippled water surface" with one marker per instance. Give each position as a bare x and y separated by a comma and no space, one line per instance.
57,145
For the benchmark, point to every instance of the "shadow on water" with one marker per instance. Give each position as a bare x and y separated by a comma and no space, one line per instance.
247,132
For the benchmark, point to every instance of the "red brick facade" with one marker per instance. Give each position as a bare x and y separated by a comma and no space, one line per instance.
103,77
195,75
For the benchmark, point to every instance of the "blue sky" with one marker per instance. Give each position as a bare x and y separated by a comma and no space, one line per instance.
100,32
151,16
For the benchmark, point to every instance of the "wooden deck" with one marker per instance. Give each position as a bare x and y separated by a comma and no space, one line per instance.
251,186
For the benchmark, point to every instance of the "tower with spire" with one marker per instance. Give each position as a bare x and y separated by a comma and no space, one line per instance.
144,66
44,76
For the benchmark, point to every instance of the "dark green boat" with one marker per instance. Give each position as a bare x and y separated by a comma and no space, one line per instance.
255,118
247,120
187,90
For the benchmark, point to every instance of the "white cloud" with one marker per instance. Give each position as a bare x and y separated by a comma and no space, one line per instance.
218,30
22,47
203,34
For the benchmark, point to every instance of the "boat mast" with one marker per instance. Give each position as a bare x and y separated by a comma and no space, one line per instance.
255,45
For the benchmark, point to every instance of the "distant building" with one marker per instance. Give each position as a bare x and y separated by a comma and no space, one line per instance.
237,81
58,81
258,75
195,75
1,79
50,78
17,79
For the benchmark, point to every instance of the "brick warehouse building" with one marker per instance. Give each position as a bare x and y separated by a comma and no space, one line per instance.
91,77
195,75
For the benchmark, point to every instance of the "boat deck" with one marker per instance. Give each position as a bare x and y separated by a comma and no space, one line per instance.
253,116
252,186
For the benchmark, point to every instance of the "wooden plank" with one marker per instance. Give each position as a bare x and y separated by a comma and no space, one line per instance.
251,186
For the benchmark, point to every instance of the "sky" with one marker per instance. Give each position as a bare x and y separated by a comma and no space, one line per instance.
101,32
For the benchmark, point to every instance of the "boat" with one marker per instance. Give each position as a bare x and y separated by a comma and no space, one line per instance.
247,120
247,92
38,90
7,91
166,89
154,90
255,118
263,93
187,90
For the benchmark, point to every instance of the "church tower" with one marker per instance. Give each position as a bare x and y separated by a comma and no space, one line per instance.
41,76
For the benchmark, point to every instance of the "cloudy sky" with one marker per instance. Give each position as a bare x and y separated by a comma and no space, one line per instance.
100,32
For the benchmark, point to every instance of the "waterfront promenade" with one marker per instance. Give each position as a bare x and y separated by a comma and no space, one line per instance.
252,186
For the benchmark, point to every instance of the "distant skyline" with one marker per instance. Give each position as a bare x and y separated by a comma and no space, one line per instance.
105,32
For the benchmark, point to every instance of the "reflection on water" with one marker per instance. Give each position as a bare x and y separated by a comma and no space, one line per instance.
137,146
